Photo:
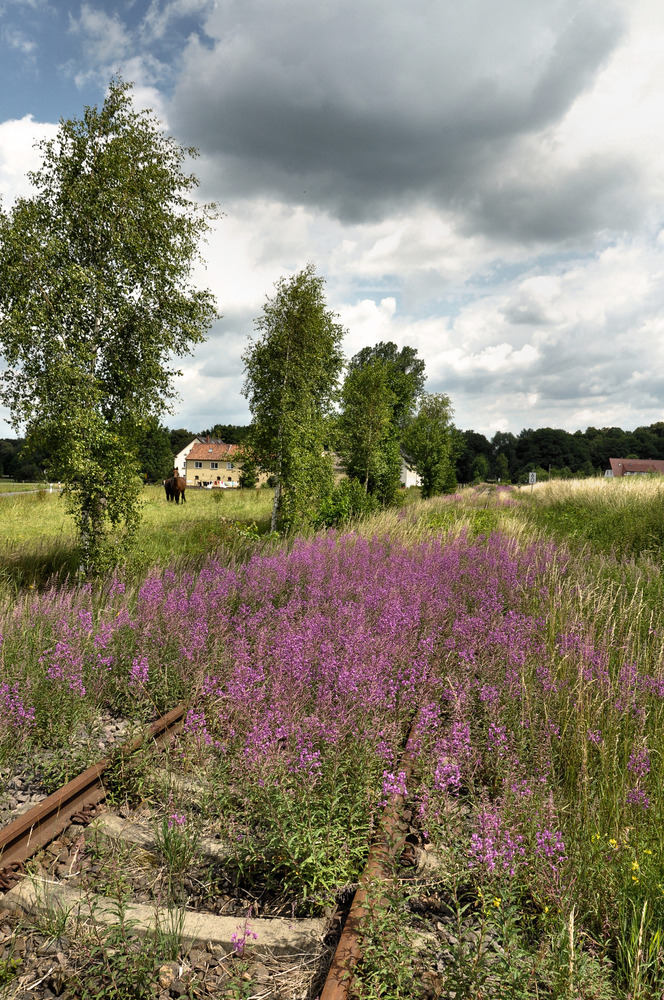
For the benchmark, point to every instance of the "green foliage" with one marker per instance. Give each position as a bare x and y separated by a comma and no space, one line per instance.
179,439
17,464
310,835
365,425
154,453
378,397
480,469
9,968
94,299
61,767
502,468
427,442
405,375
120,963
128,777
177,842
348,500
385,481
291,381
228,433
388,969
248,478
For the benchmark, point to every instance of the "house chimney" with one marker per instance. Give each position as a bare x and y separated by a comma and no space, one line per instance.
208,439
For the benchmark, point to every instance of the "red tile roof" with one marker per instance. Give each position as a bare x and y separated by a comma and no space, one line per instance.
215,451
627,466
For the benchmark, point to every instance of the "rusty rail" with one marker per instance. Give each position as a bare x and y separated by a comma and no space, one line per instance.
386,848
48,818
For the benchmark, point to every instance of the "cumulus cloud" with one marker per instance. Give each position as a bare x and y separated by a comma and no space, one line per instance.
360,107
163,14
105,37
19,154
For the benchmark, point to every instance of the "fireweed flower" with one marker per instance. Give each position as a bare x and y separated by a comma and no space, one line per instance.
240,936
196,725
639,763
13,709
447,777
637,797
394,784
550,845
595,736
497,739
493,844
65,665
138,676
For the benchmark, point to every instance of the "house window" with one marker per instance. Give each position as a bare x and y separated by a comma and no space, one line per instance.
229,465
214,465
198,465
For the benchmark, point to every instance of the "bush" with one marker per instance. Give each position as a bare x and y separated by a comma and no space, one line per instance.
347,500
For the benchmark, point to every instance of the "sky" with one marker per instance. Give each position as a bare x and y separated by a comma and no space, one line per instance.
481,181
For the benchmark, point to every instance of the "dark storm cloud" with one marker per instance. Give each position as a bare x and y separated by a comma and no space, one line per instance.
358,108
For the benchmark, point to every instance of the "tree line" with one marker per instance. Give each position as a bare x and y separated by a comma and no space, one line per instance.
475,458
553,451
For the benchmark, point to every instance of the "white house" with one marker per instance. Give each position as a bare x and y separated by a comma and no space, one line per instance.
408,476
180,460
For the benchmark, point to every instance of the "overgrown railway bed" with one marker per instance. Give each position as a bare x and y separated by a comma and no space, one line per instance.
97,897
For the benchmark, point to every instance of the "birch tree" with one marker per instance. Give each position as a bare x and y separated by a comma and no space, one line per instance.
292,372
96,299
428,444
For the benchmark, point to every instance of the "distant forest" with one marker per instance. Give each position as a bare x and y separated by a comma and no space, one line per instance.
506,456
581,453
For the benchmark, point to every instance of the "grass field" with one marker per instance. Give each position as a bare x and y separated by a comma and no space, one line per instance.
7,486
38,540
621,516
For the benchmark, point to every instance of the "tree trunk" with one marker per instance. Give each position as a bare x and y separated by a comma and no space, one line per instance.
275,505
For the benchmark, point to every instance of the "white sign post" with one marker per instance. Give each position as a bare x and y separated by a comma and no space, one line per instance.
532,479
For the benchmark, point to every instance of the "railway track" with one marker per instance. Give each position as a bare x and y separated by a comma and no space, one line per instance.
300,950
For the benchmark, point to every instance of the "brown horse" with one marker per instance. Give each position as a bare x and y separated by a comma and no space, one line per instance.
175,487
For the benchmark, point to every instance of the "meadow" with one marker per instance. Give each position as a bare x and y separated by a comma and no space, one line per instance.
525,643
38,541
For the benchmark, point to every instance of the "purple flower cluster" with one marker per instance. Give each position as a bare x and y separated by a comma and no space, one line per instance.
550,846
394,784
138,676
303,662
13,711
493,844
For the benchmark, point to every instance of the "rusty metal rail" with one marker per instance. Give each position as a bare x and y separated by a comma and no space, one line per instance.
389,845
48,818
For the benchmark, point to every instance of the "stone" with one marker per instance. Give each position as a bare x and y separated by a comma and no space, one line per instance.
260,973
276,935
167,974
200,959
